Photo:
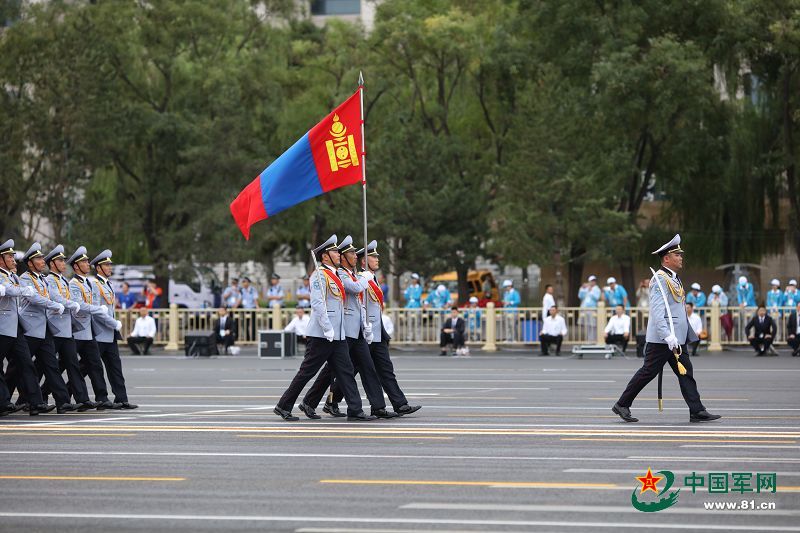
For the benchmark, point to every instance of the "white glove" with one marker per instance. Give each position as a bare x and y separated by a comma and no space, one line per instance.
672,342
28,292
328,335
118,326
2,290
60,309
74,306
367,275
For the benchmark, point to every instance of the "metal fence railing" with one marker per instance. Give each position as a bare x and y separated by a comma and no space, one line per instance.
485,327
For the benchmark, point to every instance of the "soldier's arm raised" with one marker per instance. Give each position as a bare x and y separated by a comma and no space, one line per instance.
37,299
353,287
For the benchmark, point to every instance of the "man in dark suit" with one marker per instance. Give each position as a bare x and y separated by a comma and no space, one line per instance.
793,332
226,329
764,331
452,332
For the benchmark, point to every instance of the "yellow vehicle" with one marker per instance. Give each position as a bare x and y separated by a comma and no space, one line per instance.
476,279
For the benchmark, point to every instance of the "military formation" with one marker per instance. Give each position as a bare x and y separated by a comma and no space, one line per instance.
346,337
51,325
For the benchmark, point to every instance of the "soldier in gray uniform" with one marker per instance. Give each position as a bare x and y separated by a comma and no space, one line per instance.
21,372
38,332
665,340
379,347
358,333
103,295
326,337
62,326
80,292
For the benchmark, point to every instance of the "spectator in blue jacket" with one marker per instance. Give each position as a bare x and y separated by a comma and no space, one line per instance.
745,295
696,297
616,294
413,293
774,298
791,297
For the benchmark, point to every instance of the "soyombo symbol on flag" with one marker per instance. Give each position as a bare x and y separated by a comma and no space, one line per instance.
324,159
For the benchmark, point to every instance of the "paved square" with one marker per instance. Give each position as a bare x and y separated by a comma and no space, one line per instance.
506,442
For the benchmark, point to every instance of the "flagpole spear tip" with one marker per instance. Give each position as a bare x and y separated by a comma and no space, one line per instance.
360,78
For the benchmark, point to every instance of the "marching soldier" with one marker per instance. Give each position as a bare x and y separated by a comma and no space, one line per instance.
358,333
668,333
22,373
326,337
33,318
62,326
103,295
379,347
80,292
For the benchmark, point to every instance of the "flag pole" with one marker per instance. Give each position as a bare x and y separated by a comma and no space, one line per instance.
363,162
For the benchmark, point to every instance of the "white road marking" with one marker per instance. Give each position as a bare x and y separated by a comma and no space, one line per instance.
580,509
384,519
638,472
769,446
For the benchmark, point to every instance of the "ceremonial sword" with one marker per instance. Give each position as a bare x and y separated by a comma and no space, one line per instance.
677,352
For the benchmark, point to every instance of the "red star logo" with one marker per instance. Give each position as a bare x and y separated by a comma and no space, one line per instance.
649,482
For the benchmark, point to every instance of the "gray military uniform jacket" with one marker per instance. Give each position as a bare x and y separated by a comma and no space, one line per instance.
327,306
374,314
33,310
80,291
61,325
9,312
355,317
658,323
103,295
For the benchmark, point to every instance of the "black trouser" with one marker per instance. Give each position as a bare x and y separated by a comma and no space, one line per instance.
135,342
456,339
616,338
21,373
794,344
761,345
5,394
362,364
694,345
385,369
225,340
318,352
109,353
68,360
547,340
655,356
92,366
44,353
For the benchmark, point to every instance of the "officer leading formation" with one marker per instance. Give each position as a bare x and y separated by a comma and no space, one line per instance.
668,333
50,325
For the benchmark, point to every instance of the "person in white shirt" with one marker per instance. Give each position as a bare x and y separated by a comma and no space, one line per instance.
299,324
696,323
388,325
144,331
618,329
547,301
553,330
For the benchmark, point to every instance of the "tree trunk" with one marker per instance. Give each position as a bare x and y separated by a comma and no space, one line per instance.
575,275
627,278
791,167
463,288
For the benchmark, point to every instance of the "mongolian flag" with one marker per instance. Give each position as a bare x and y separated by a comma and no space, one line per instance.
324,159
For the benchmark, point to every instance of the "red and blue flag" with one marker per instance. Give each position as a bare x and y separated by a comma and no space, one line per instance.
324,159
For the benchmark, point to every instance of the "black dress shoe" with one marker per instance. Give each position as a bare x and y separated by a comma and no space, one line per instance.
102,406
82,407
360,417
34,410
407,409
91,405
66,408
309,411
128,405
286,415
383,413
703,416
7,409
624,413
333,410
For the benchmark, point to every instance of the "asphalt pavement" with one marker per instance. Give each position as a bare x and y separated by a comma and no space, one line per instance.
504,442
